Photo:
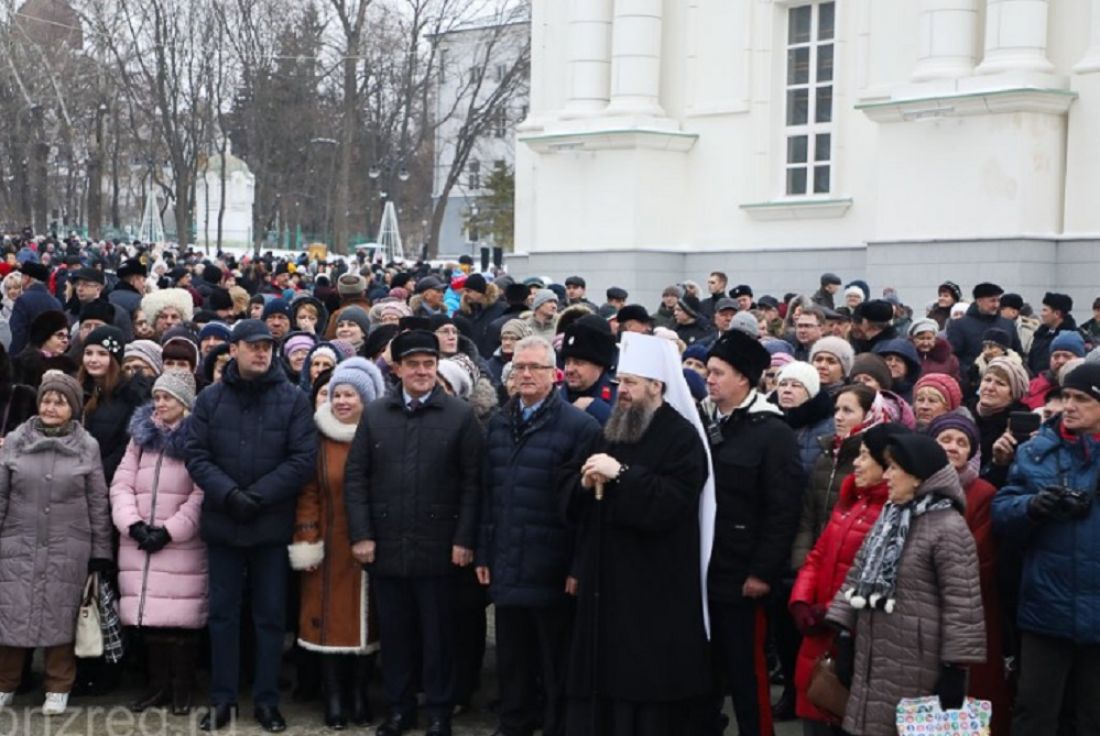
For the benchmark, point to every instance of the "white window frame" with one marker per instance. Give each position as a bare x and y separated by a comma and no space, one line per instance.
810,129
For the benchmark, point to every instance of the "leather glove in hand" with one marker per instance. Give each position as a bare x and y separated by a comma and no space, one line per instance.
803,616
1043,505
100,565
139,532
155,540
951,687
242,506
845,658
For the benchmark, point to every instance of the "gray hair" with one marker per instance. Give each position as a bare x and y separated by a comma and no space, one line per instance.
537,341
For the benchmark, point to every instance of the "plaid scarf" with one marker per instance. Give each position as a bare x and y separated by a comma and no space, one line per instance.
876,577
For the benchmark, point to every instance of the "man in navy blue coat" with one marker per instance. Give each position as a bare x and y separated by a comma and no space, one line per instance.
251,449
34,300
525,549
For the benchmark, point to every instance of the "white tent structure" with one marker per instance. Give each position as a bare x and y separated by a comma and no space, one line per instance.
389,236
152,228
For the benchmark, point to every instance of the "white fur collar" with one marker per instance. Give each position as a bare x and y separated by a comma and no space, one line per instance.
332,427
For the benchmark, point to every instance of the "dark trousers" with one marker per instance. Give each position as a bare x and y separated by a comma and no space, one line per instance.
265,571
1050,669
469,642
784,632
415,621
738,632
533,643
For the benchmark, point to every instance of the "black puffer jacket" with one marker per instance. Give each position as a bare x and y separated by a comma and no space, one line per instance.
253,435
524,541
110,422
833,465
412,483
965,335
1038,358
758,483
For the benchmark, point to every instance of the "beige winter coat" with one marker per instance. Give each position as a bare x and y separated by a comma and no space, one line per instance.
937,619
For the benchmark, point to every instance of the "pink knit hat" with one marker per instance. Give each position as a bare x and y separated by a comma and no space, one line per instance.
944,385
781,359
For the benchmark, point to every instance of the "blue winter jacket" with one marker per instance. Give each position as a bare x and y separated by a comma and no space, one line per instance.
31,303
524,540
1060,584
253,435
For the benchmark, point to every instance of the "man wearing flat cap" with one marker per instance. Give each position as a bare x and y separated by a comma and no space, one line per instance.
965,333
34,300
1056,318
830,285
643,503
588,351
412,495
575,291
759,482
616,300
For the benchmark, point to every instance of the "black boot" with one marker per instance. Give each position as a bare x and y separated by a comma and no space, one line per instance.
158,655
362,667
332,691
185,655
308,688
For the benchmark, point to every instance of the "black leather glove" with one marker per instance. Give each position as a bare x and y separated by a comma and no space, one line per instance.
951,687
845,658
100,565
139,532
1043,505
155,540
242,506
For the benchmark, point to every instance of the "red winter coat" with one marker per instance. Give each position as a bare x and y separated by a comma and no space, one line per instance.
1037,390
987,681
940,359
824,571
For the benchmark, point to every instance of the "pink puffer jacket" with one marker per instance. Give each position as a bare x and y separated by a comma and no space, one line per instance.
166,588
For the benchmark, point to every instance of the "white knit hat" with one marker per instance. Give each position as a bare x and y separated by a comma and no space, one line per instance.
802,372
457,377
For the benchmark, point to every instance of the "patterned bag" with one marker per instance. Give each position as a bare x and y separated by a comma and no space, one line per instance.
925,717
111,624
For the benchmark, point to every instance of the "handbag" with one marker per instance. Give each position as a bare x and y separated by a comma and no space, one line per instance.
826,691
925,717
110,624
89,633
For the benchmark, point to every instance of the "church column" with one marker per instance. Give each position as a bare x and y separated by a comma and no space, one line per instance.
589,57
947,39
1016,37
1091,61
636,58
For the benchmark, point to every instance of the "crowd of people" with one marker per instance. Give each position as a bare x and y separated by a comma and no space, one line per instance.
666,510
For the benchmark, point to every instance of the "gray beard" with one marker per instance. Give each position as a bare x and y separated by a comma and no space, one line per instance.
627,424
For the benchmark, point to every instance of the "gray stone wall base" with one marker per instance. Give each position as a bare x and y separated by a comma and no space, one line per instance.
1027,266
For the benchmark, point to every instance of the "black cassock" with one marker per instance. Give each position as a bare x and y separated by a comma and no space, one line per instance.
639,663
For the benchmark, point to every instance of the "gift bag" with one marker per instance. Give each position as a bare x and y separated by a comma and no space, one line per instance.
109,621
925,717
89,633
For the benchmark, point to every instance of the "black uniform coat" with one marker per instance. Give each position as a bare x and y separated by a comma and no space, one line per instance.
639,548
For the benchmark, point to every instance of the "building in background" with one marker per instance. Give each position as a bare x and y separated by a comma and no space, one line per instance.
462,53
240,194
903,142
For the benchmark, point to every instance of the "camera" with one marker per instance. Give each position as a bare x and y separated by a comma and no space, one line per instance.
1072,503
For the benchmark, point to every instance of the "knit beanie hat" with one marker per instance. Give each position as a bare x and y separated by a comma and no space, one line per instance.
925,324
357,315
181,348
456,377
148,352
276,306
877,437
918,455
109,338
1085,378
297,341
944,385
839,348
696,351
178,384
1070,341
998,336
542,296
781,359
517,328
215,329
351,284
747,323
959,421
362,375
1068,366
775,346
871,364
65,385
804,373
853,291
1012,372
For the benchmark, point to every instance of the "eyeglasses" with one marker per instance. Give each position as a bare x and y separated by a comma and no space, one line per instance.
61,335
447,331
529,367
770,375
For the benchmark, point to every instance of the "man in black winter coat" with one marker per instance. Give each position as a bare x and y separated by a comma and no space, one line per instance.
1056,317
965,334
411,491
758,483
251,448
